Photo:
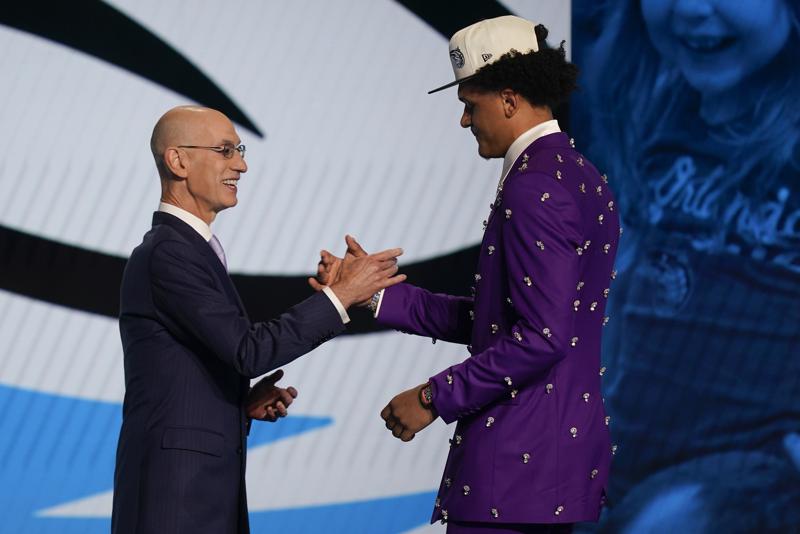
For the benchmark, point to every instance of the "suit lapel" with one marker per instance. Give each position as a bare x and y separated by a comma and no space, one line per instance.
554,140
204,249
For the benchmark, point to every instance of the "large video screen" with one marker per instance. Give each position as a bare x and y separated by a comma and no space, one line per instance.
691,109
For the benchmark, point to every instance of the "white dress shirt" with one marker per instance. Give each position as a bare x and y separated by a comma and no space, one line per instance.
522,142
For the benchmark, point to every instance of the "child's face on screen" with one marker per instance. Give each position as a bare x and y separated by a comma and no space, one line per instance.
717,44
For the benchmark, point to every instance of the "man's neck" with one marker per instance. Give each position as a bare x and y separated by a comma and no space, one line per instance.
187,203
522,141
530,118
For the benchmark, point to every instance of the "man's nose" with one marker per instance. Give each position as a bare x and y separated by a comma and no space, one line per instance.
239,164
466,120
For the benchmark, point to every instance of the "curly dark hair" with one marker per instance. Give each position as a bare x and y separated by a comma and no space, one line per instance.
543,78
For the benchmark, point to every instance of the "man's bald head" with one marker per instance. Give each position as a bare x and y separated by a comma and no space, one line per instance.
183,125
196,153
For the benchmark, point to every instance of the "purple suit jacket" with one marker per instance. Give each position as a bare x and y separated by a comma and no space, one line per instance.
532,441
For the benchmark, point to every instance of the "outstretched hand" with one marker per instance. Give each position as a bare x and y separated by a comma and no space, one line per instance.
329,266
357,276
268,402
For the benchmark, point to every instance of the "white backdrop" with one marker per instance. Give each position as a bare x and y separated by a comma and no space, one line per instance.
353,145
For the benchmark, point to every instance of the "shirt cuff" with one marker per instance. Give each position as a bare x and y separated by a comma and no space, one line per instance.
380,299
337,304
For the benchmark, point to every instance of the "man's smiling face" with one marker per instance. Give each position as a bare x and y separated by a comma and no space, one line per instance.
213,178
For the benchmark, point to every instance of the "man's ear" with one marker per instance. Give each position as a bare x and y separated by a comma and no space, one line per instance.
511,102
177,161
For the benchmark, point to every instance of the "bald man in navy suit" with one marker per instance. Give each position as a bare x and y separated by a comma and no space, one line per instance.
190,349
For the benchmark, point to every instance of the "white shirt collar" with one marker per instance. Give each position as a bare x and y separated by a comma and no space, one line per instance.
522,142
192,220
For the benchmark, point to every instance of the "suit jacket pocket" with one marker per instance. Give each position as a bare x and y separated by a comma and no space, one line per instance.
193,439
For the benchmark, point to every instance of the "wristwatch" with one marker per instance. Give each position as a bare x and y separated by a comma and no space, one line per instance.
426,396
373,302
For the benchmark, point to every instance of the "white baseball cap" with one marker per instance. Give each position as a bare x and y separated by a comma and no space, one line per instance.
485,42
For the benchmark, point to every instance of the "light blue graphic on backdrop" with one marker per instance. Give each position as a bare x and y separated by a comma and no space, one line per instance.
56,449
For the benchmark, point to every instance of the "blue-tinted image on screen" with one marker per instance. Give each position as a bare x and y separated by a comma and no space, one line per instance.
691,107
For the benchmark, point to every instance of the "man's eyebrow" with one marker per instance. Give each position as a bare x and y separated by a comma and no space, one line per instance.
228,142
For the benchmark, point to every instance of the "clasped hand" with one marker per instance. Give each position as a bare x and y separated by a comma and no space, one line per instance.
357,276
268,402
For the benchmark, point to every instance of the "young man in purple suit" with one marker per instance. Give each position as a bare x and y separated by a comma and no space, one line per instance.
531,450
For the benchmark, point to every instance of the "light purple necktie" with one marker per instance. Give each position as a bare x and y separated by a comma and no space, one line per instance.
216,246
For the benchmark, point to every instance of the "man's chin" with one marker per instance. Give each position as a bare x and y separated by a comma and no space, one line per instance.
229,203
485,153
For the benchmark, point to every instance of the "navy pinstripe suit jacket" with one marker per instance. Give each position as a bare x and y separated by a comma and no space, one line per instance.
190,350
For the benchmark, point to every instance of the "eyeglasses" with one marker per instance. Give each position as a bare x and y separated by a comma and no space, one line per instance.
226,150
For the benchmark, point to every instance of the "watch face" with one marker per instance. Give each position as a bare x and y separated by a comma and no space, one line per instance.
426,396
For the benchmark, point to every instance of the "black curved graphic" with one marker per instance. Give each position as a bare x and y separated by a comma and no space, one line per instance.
89,281
99,30
449,17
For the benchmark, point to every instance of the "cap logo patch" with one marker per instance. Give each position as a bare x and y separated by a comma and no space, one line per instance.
486,57
457,58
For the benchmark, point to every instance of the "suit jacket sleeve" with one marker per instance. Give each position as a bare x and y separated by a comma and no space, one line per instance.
539,241
417,311
187,295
